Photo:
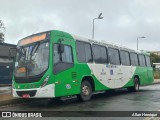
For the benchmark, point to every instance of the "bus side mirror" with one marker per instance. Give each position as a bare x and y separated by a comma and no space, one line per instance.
60,48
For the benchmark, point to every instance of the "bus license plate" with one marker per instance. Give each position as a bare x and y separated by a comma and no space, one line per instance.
25,96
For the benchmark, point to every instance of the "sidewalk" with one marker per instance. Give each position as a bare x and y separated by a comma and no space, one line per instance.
156,81
6,97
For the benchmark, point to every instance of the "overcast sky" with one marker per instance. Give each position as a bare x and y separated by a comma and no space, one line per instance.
124,20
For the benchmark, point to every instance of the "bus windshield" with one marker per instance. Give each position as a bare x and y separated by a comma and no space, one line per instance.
32,60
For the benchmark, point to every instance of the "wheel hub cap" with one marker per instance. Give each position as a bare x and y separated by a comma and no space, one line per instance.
85,90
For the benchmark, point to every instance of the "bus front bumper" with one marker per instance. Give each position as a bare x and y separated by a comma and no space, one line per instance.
47,91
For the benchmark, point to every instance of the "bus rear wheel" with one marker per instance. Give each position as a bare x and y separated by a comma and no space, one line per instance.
86,91
134,88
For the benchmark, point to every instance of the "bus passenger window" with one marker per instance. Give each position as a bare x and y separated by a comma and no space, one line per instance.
125,58
142,62
114,56
148,61
134,59
67,54
100,54
84,52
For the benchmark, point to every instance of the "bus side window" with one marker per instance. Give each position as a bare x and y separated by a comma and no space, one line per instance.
84,53
142,62
124,55
62,61
67,54
114,56
134,59
148,61
56,55
100,54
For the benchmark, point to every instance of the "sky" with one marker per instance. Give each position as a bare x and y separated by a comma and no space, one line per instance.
123,22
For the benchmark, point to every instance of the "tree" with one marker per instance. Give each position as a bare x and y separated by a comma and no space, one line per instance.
155,58
2,31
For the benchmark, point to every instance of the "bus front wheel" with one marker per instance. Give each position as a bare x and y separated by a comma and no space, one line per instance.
86,91
134,88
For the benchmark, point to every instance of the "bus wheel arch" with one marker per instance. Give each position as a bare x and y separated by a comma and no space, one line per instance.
86,89
135,87
136,84
136,76
91,80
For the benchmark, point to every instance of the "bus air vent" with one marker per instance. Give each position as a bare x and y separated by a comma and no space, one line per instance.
74,75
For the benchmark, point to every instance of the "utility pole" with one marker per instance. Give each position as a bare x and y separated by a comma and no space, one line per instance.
99,17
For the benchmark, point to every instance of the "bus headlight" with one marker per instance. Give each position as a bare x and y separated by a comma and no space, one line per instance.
45,82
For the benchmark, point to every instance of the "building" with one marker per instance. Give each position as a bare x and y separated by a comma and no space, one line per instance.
156,66
6,64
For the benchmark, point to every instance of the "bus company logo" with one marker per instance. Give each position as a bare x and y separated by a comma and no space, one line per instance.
6,114
111,72
103,72
68,86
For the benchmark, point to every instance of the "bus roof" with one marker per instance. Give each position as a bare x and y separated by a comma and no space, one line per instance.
102,42
108,44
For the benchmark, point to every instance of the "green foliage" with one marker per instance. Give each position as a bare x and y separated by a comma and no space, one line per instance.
2,30
156,74
155,58
1,37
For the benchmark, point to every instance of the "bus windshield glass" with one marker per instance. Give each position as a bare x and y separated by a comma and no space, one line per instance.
32,59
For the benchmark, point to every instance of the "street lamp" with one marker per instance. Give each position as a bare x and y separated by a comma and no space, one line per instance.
137,40
99,17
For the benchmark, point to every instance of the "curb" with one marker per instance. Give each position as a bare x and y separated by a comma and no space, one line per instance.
5,85
156,83
152,83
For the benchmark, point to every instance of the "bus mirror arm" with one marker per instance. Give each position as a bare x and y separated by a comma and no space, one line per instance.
60,48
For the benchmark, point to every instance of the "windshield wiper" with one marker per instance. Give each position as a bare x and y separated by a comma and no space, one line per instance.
22,51
34,50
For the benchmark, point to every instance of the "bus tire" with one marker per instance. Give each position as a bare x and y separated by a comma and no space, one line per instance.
134,88
86,91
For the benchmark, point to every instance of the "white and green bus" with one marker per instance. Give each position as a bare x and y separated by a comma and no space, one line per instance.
55,64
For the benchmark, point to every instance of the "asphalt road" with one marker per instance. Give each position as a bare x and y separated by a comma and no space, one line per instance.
147,99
